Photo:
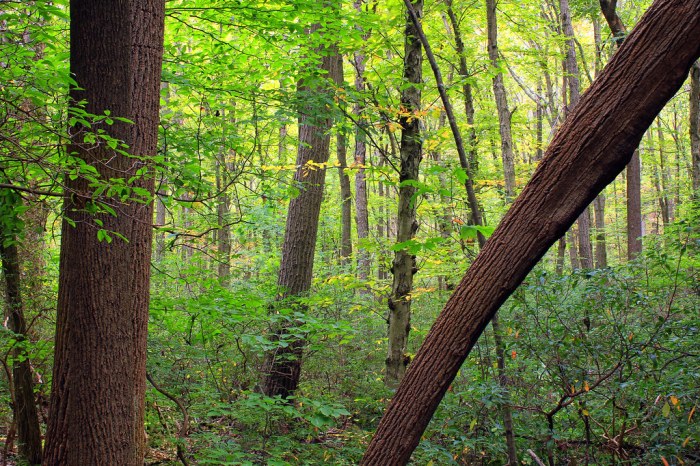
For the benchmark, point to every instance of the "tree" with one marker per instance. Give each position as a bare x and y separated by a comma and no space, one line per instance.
283,364
589,150
99,377
695,127
499,92
404,266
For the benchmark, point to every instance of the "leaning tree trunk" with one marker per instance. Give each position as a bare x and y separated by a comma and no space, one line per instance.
283,365
404,265
99,377
593,145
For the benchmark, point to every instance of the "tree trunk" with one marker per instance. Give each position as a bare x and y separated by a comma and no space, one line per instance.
499,92
283,365
601,253
99,377
634,207
590,149
404,265
571,74
695,128
345,200
24,404
361,210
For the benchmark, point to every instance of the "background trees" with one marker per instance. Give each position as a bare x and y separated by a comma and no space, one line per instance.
226,173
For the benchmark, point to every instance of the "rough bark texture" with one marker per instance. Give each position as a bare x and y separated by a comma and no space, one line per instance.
283,365
590,149
24,404
97,400
695,127
404,265
499,92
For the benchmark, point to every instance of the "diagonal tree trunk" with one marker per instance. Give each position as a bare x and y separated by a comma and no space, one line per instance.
590,149
695,128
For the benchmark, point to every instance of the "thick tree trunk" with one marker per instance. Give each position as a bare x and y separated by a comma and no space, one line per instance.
695,127
404,265
99,378
24,404
499,92
590,149
283,365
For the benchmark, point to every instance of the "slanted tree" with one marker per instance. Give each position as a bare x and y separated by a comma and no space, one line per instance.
96,411
592,146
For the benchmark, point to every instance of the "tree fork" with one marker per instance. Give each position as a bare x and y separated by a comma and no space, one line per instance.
593,145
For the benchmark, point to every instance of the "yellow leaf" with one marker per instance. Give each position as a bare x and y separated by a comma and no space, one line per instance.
664,461
666,410
587,388
686,442
585,412
674,400
692,411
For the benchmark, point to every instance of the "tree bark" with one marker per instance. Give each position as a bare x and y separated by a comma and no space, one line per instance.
24,404
345,201
590,149
571,77
283,365
404,264
97,399
499,92
361,209
695,128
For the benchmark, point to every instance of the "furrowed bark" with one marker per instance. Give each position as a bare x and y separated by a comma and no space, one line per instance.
590,149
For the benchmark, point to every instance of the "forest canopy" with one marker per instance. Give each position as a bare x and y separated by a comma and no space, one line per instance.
226,229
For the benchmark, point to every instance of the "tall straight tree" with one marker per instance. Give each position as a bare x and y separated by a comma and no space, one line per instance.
283,365
411,151
592,147
499,92
99,378
695,128
571,77
634,169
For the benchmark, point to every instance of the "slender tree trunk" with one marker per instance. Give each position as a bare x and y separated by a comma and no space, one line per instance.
24,404
361,210
223,209
404,264
345,200
695,128
590,149
662,179
571,74
499,92
634,207
283,365
601,253
97,399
